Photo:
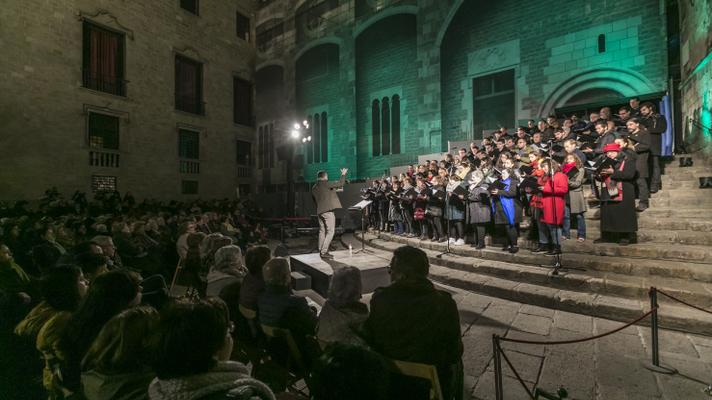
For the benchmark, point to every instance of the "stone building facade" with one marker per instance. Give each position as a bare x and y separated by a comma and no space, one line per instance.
69,120
444,61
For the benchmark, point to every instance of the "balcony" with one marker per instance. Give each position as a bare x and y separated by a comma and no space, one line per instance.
244,172
102,158
108,84
189,166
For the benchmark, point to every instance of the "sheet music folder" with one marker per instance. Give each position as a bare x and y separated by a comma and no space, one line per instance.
360,205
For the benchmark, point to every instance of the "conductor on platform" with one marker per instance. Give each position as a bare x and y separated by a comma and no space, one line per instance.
324,194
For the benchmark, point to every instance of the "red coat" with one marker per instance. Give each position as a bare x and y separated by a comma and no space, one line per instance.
553,198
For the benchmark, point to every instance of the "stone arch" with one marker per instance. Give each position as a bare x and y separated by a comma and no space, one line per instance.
388,12
624,81
316,43
446,22
269,63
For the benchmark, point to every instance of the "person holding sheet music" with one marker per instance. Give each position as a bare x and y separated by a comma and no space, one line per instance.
506,208
553,193
640,143
407,199
395,217
617,177
575,201
455,211
434,212
479,215
420,205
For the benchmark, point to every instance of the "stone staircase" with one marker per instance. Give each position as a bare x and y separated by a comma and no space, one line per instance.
673,253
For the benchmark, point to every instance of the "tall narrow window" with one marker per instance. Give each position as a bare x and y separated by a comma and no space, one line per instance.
493,101
261,147
103,60
189,187
376,127
190,5
309,148
324,138
189,85
244,153
103,131
243,26
395,125
385,126
242,101
270,146
601,43
316,138
188,144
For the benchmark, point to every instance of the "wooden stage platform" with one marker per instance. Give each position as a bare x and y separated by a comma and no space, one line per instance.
374,269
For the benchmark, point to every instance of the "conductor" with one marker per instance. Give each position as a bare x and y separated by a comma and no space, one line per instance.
324,194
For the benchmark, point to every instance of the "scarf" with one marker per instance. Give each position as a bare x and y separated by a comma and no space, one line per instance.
567,167
228,376
507,203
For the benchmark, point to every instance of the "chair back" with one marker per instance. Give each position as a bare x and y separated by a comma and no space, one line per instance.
422,371
295,355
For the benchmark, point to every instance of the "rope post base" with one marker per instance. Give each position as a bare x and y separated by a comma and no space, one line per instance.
654,364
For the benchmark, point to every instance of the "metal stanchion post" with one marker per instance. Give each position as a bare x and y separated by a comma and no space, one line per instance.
498,394
655,363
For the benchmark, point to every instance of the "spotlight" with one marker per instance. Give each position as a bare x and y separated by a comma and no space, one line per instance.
304,140
297,126
295,133
305,123
308,138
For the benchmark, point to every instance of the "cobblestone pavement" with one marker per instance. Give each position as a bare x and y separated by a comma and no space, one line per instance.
610,368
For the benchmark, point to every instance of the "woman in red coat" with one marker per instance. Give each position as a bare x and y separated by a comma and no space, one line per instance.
553,201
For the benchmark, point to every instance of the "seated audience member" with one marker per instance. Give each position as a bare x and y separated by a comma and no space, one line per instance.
15,283
62,288
116,365
92,265
192,347
228,268
348,372
109,248
192,264
107,296
279,307
411,320
343,314
253,283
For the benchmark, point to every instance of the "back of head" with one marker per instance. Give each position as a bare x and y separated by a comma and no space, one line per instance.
122,345
255,258
45,256
345,286
108,295
347,372
59,287
276,272
410,262
188,337
228,257
195,239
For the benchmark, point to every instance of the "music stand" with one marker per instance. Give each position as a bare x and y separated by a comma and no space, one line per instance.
361,206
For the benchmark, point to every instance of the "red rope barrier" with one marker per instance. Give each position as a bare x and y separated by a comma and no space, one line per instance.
580,340
683,302
519,378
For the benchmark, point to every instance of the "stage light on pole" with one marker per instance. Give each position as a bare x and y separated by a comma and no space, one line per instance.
304,140
305,123
308,138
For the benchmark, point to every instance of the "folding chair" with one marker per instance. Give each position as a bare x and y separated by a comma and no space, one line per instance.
294,366
422,371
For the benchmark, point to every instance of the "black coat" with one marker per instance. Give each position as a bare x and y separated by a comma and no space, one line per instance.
642,150
656,126
480,211
620,216
411,320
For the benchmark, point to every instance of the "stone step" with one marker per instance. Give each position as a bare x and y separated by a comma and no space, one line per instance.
608,295
687,201
624,265
663,236
689,213
599,305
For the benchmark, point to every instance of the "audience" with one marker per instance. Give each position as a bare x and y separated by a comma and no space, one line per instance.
117,364
342,317
411,320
